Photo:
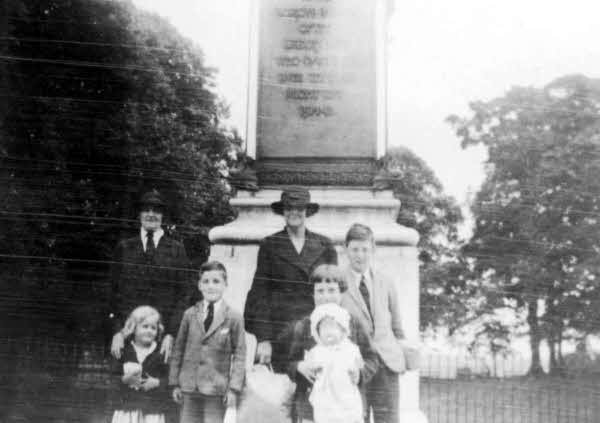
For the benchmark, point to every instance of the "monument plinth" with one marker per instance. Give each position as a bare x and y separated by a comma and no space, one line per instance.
316,117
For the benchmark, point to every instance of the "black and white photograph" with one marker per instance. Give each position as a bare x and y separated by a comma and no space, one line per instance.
299,211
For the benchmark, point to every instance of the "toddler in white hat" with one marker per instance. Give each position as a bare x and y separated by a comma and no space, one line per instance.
335,396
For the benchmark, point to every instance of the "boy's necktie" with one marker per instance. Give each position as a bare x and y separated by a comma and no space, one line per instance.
209,316
364,291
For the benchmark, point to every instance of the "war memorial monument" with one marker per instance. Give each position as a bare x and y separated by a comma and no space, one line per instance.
317,118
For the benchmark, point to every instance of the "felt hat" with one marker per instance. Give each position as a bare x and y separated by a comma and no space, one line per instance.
332,310
152,199
295,197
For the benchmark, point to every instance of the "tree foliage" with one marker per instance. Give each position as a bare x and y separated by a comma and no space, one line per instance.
536,215
106,102
436,217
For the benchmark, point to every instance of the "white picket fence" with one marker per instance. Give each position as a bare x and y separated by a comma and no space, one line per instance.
440,365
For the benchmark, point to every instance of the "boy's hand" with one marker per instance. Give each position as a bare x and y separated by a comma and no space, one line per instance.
149,383
177,395
166,346
230,399
118,341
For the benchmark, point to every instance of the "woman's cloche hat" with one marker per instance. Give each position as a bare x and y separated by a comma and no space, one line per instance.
297,197
152,199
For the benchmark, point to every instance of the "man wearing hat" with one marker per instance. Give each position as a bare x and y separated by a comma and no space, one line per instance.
152,269
280,292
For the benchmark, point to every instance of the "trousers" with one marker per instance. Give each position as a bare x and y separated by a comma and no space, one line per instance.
198,408
383,396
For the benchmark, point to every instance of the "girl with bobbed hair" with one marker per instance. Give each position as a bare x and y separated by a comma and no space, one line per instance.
142,393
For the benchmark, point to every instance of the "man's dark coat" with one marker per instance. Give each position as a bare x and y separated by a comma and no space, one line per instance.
280,292
161,281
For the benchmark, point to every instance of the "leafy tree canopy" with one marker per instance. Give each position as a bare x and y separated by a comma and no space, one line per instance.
106,102
537,226
436,217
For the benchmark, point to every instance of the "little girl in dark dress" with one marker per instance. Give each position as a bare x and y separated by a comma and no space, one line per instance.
142,395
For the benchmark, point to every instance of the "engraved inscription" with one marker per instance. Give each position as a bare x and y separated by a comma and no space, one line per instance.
317,72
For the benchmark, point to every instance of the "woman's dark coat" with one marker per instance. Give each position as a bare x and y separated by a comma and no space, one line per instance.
280,292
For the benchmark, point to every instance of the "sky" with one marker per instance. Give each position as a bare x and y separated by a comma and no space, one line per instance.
442,55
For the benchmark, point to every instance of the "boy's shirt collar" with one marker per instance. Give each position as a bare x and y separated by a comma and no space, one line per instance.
368,280
217,306
358,275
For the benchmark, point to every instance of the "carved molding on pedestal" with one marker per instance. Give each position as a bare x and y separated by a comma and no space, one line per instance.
316,171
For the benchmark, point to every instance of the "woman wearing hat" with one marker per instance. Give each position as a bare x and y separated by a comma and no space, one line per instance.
280,292
149,269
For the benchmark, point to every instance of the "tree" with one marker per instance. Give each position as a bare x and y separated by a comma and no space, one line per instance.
436,217
536,215
106,101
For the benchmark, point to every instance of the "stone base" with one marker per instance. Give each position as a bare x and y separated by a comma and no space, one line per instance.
339,208
412,416
236,246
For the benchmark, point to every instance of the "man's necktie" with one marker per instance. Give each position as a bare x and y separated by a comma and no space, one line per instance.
209,316
362,287
150,247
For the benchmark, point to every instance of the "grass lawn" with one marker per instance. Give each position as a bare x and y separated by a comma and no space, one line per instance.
516,400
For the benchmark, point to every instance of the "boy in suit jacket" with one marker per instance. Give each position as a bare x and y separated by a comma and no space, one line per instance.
374,301
208,362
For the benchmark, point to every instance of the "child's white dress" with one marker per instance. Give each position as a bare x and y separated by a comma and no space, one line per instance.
334,397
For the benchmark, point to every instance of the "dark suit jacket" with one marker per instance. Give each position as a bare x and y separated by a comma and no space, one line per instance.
280,292
160,281
153,401
301,340
209,362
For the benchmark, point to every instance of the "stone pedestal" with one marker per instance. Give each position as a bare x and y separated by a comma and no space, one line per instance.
236,246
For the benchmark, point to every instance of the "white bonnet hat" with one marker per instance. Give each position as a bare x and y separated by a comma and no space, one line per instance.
336,312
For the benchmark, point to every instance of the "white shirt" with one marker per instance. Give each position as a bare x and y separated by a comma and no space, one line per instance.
217,306
368,281
156,236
